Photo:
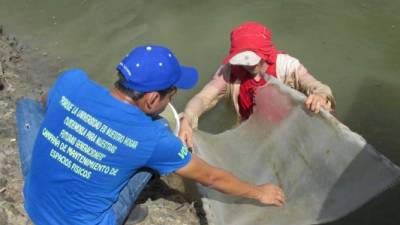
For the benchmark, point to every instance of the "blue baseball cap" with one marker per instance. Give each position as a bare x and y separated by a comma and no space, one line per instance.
153,68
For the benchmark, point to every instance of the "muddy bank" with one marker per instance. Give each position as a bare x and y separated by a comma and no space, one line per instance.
15,82
166,198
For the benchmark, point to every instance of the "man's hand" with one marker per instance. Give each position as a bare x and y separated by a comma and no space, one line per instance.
314,103
186,133
271,195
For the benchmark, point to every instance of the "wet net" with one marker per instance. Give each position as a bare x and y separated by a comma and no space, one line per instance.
325,169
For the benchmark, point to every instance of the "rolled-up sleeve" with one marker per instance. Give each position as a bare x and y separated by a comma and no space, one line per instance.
208,97
296,75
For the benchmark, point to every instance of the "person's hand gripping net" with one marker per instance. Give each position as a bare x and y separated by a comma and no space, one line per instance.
186,133
315,102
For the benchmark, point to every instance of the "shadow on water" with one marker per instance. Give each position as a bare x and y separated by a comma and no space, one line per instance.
348,193
374,115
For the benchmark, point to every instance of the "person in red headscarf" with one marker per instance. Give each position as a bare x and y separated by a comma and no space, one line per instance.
251,60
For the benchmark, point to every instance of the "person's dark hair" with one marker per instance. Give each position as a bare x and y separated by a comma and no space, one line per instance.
136,95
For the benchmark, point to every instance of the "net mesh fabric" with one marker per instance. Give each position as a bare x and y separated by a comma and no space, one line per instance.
325,169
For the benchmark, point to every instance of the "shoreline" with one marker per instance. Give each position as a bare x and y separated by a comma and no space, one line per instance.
15,83
168,199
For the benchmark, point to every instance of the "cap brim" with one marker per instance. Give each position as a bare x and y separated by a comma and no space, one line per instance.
246,58
188,79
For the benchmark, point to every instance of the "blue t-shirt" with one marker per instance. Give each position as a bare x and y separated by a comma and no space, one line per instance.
88,147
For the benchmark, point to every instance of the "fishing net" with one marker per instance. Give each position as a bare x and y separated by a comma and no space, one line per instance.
325,169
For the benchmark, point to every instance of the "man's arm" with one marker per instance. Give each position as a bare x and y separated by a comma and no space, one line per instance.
221,180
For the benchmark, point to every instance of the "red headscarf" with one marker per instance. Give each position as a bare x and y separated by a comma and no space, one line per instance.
255,37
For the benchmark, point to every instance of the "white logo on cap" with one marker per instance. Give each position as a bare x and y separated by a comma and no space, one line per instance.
148,48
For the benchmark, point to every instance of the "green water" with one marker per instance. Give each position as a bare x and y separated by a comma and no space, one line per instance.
353,46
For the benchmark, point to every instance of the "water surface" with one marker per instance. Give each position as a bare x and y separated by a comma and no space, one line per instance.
353,46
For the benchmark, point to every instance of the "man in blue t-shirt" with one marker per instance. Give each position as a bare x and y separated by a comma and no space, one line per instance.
84,165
